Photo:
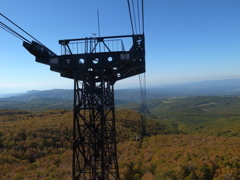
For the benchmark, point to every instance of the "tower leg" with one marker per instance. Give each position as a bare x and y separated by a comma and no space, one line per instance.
94,135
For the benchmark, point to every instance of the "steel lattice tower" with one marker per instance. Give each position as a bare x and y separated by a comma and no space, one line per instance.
95,65
94,136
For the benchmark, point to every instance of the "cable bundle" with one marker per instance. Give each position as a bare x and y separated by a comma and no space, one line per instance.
136,13
15,33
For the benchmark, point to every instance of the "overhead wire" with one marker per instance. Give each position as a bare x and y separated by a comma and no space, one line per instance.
143,85
130,15
14,32
134,16
143,108
143,16
136,10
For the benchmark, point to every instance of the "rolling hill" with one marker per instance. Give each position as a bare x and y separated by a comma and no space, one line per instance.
215,87
195,137
37,145
206,115
230,87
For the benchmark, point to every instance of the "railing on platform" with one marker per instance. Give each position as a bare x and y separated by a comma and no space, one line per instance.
92,45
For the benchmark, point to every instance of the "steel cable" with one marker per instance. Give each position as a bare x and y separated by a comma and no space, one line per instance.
143,16
138,10
130,14
134,15
14,33
143,107
135,12
20,29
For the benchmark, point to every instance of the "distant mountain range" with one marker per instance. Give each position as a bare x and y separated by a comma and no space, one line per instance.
66,94
226,87
229,87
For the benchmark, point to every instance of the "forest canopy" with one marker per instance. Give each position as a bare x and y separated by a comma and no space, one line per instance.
186,138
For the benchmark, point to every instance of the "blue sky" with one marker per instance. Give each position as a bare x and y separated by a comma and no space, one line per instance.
186,40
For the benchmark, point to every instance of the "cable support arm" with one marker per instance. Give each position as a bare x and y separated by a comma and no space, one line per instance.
38,50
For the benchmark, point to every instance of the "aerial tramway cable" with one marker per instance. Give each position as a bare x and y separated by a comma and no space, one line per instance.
130,14
135,11
142,77
14,33
137,25
134,16
142,16
138,12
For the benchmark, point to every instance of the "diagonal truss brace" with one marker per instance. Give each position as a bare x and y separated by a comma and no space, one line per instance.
94,143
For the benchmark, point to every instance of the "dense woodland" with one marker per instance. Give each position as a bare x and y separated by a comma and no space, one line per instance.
195,138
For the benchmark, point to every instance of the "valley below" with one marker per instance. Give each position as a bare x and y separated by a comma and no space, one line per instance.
195,138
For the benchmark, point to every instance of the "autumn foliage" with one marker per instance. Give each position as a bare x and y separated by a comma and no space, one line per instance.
37,145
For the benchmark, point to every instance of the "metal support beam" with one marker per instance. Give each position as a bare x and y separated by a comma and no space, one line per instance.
94,139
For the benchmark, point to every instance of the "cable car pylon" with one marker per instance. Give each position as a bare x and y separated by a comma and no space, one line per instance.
94,73
95,65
